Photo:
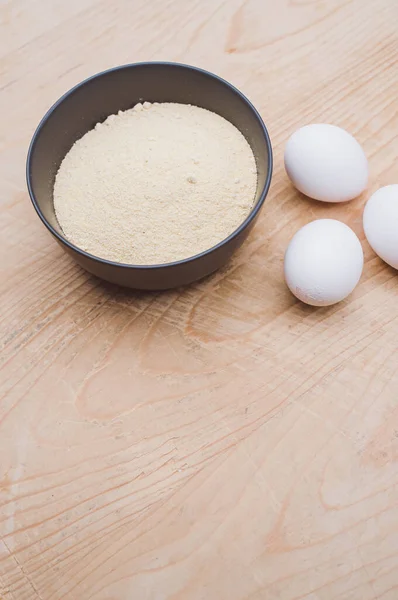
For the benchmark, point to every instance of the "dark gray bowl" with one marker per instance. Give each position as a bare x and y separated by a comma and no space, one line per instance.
119,89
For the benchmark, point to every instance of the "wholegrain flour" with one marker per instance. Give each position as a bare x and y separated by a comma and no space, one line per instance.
154,184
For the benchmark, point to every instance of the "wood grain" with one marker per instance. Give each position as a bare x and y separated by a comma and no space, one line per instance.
220,442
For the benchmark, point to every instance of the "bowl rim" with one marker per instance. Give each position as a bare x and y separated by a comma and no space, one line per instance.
159,266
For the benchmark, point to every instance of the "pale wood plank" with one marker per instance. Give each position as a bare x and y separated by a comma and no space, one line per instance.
222,441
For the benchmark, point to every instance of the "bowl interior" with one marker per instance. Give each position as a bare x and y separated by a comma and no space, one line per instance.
119,89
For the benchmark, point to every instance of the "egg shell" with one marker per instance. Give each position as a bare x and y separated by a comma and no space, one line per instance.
326,163
323,262
380,223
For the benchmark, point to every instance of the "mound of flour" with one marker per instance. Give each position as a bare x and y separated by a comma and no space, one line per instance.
155,184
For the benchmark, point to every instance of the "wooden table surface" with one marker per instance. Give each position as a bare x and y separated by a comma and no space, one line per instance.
220,442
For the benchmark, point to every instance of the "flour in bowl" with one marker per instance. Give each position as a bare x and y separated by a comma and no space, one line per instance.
155,184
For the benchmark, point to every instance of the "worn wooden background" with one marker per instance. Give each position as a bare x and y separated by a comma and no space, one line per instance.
221,442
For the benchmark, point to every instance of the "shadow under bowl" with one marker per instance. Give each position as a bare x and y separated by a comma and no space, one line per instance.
106,93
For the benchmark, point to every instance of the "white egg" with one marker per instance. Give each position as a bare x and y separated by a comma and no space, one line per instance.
323,262
326,163
380,222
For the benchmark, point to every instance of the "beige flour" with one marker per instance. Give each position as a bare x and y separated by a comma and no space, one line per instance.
155,184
